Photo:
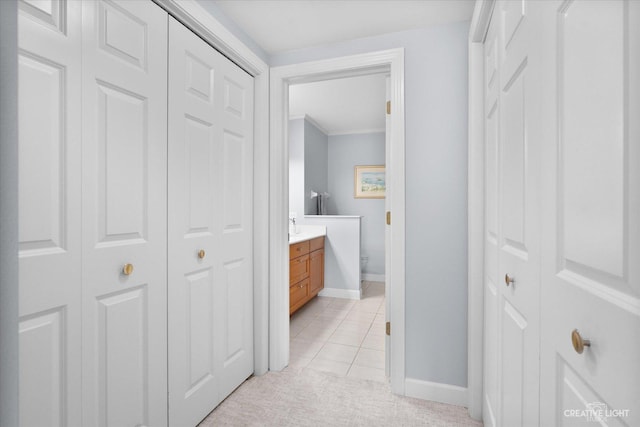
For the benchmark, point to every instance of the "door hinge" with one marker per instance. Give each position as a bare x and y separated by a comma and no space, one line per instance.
388,217
388,107
388,328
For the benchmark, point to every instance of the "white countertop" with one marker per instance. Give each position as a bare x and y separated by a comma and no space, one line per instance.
307,232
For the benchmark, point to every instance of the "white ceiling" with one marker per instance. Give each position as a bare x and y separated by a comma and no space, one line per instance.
280,25
351,105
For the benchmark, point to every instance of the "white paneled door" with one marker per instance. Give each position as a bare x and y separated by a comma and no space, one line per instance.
49,209
124,213
562,251
210,227
591,186
512,245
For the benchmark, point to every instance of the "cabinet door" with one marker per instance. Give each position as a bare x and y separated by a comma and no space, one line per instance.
124,205
49,212
316,271
298,269
210,210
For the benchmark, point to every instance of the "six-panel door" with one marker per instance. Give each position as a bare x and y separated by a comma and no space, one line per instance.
49,212
124,199
210,227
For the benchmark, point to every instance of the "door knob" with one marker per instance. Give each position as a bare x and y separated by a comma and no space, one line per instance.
508,280
127,269
578,342
201,253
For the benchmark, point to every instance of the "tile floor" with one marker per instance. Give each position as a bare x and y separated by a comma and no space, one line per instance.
341,336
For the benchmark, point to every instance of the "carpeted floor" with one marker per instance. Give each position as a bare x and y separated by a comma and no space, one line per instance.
304,397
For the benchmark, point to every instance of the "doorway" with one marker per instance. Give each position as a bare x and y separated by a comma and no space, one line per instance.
337,142
392,63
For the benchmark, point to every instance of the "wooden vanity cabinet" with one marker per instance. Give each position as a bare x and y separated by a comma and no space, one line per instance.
306,272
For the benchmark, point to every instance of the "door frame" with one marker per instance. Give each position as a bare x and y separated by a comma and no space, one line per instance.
387,61
476,191
197,19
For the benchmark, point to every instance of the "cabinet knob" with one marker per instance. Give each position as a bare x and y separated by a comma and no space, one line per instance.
201,254
578,342
508,280
127,269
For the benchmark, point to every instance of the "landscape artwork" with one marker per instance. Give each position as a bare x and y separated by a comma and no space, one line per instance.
369,182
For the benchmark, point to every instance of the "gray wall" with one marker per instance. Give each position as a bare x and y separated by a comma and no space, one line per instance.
436,206
8,214
345,152
296,167
315,165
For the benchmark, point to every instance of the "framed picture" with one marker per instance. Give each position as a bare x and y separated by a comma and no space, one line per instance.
370,182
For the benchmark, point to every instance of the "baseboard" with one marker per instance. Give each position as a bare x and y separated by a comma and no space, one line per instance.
369,277
443,393
340,293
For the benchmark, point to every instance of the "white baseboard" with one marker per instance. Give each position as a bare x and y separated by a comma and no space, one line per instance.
340,293
443,393
369,277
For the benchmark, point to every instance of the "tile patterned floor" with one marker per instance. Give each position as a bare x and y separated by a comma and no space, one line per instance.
340,336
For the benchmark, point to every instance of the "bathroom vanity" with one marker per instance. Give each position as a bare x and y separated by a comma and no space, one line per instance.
306,270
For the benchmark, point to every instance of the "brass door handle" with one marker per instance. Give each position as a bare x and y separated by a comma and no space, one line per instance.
127,269
578,342
201,254
508,280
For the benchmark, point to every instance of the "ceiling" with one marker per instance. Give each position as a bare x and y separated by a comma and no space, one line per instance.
281,25
340,106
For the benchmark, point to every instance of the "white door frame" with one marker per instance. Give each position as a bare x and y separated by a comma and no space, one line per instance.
384,61
475,338
198,20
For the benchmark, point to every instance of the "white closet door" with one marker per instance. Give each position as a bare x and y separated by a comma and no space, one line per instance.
491,275
591,264
518,275
512,265
210,210
124,209
49,205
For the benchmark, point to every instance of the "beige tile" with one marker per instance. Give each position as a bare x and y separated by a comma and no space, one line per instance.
347,338
330,313
378,329
366,373
360,316
340,303
370,358
305,349
325,323
366,306
331,366
353,326
374,342
337,352
314,333
379,318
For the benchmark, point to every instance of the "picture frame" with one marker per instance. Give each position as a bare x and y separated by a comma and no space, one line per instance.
369,182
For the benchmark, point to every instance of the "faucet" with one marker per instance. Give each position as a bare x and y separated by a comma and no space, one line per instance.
292,222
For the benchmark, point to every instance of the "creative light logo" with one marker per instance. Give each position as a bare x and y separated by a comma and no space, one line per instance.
596,412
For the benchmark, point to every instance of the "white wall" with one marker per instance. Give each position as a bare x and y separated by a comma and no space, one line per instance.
8,214
345,152
436,191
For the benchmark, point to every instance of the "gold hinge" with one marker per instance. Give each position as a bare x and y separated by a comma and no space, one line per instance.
388,217
388,107
388,328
